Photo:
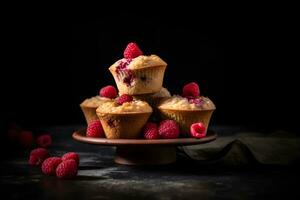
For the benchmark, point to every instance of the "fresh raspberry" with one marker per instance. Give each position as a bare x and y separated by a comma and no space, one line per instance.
71,155
26,139
37,156
132,51
168,129
198,130
95,129
109,92
34,160
50,164
44,140
150,131
13,134
191,90
124,98
40,152
67,169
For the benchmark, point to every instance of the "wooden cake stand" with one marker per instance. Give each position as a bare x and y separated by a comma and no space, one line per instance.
144,152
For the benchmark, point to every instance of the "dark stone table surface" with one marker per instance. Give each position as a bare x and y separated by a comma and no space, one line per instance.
100,178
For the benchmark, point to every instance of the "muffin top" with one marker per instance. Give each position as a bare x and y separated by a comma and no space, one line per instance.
135,106
177,102
139,62
95,101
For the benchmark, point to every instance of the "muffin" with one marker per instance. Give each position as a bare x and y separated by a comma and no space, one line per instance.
89,106
123,120
153,100
137,74
186,111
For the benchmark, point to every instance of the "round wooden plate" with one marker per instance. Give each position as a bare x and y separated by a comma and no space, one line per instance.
80,136
141,151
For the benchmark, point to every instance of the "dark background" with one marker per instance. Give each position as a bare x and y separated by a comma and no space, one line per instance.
242,61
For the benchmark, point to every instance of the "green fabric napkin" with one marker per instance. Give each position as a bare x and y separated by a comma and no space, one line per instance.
279,148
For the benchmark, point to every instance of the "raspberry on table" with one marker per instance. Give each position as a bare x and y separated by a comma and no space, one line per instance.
132,51
95,129
50,164
40,152
150,131
168,129
26,139
198,130
124,98
37,156
13,134
71,155
108,92
44,140
67,169
191,90
34,160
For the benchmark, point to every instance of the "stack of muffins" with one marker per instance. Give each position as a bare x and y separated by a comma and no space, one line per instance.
142,98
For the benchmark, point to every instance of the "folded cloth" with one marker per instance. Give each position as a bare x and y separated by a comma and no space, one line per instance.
279,148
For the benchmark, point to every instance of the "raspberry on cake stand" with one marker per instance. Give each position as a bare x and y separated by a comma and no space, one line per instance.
144,152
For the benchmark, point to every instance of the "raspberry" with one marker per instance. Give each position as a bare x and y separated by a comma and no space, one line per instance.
95,129
13,134
37,156
132,51
34,160
198,130
67,169
191,90
108,91
50,164
40,152
168,129
124,98
150,131
44,140
71,155
26,139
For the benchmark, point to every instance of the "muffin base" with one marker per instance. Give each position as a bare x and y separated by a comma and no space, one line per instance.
185,118
89,113
123,126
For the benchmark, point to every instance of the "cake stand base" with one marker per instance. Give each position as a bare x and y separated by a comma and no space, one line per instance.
145,155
